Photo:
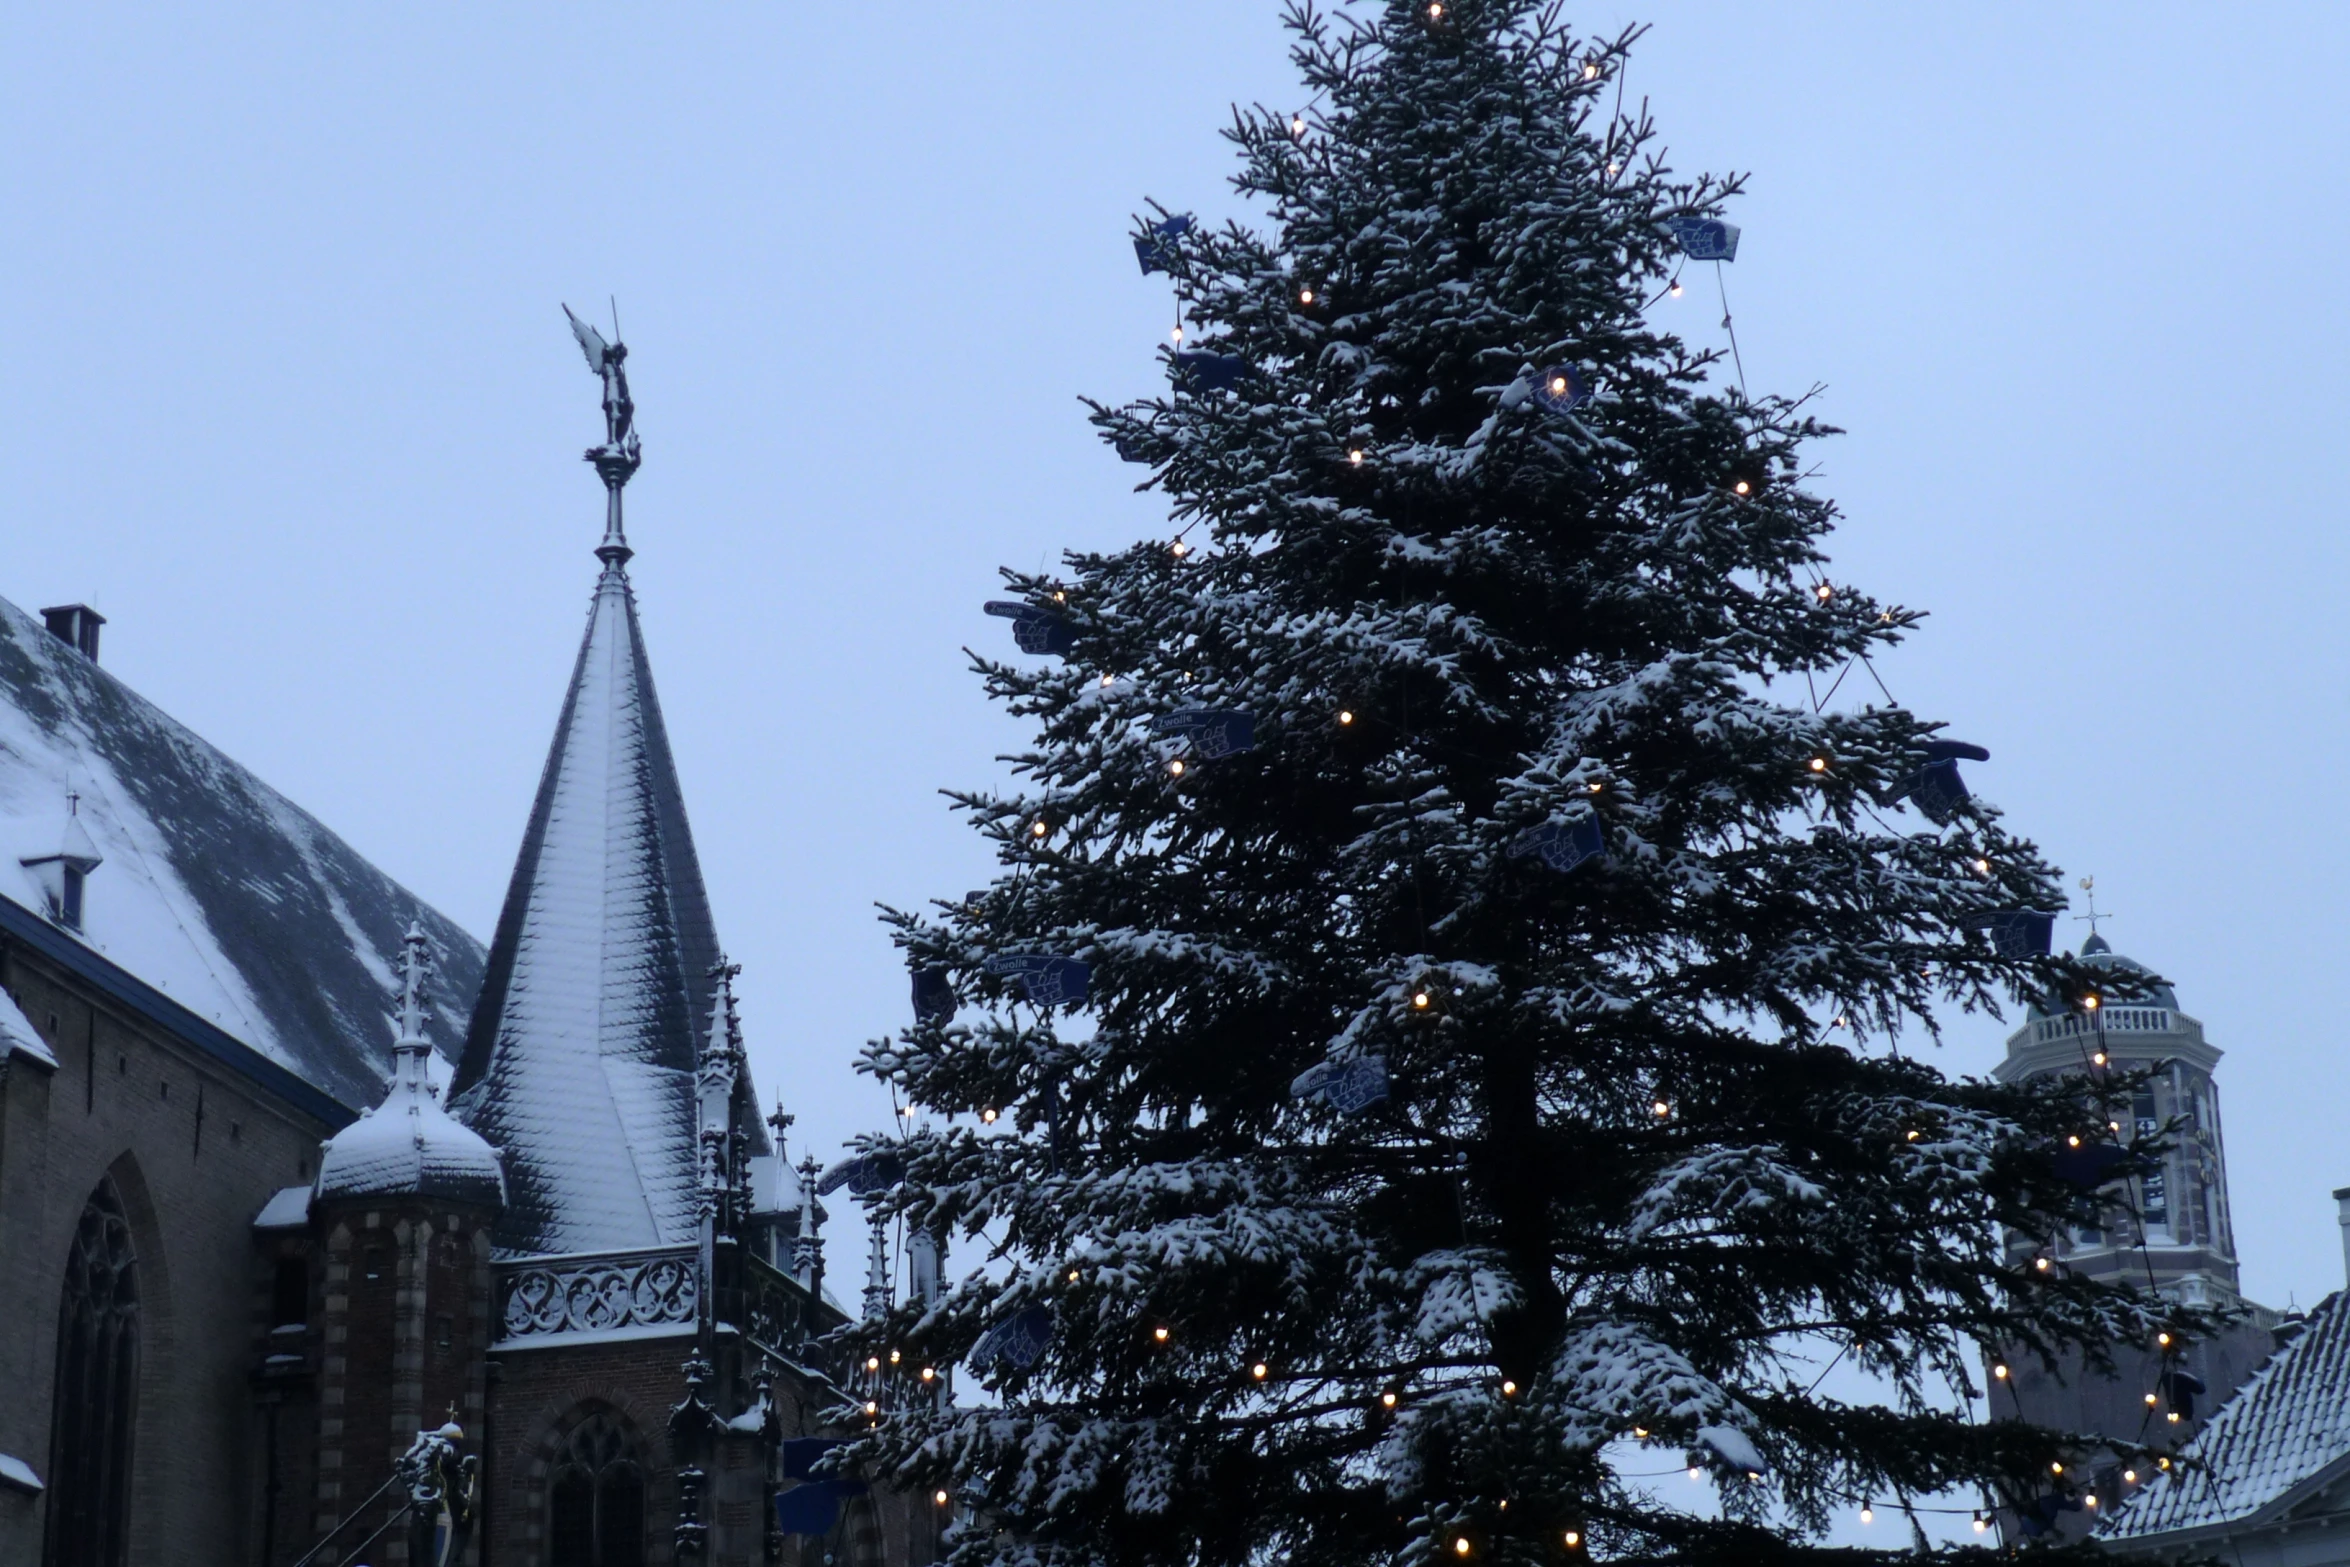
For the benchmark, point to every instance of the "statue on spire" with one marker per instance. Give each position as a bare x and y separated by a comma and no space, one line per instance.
618,458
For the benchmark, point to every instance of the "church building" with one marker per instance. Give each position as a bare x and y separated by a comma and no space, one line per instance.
331,1236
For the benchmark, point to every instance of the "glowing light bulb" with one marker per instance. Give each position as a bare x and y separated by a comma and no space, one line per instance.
1615,168
1297,125
1258,1370
2151,1401
2172,1417
1387,1401
1910,1136
1509,1389
2040,1263
1981,1523
2163,1339
2089,1003
1179,549
2056,1469
2162,1463
1868,1514
1420,999
905,1110
1060,597
1741,488
2099,1058
1640,1431
1160,1333
1176,333
1675,290
1305,296
1436,14
1355,456
2073,1142
1346,716
1590,69
1072,1275
1825,592
2000,1372
1176,767
1662,1109
893,1357
928,1374
872,1362
1558,386
988,1115
940,1497
1982,867
1460,1544
2129,1477
1574,1538
1819,764
2089,1500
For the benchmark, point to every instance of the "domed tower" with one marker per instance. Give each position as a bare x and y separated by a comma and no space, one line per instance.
2182,1240
2173,1235
401,1214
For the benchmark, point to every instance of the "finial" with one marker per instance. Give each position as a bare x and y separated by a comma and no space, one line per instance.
618,458
415,963
2089,886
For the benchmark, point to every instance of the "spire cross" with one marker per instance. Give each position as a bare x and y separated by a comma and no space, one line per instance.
2089,886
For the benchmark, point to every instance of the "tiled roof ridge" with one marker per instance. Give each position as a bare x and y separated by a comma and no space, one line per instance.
2288,1423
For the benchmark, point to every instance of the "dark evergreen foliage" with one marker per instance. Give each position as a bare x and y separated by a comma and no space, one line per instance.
1649,1143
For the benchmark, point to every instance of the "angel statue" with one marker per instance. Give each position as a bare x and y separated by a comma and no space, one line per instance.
607,360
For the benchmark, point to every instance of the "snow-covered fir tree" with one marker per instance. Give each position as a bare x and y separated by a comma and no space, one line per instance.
1309,788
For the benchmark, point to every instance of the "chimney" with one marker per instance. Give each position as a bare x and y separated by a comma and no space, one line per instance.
2342,1207
76,625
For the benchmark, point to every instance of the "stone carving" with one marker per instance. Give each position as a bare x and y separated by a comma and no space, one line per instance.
598,1294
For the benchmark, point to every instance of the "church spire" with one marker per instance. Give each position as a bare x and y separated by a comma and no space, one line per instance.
581,1057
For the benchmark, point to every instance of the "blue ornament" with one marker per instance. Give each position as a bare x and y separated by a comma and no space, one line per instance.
1046,980
1035,630
1152,247
1197,370
1559,388
1021,1338
934,998
2020,933
1350,1087
863,1173
800,1455
1561,845
1212,732
1704,239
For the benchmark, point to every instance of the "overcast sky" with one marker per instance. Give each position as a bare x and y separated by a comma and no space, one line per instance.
288,397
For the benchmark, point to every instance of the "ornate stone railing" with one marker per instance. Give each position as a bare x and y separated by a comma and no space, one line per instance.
543,1298
785,1320
2113,1020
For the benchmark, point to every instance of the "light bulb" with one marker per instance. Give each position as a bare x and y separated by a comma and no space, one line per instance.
1741,487
1160,1333
1982,867
1387,1401
1509,1389
1305,296
2162,1463
1179,549
893,1357
1819,764
2089,1003
905,1110
2090,1500
1345,716
2163,1339
872,1362
1460,1545
1615,168
1436,13
1675,290
1825,592
1981,1523
2173,1417
1574,1538
2099,1058
2073,1142
1039,827
1640,1431
940,1497
1662,1109
1558,386
928,1373
1355,456
2000,1372
1258,1370
988,1115
1297,125
1060,597
2129,1477
1176,767
1868,1514
1176,333
1590,69
1910,1136
1420,999
2056,1469
872,1408
2151,1401
2040,1263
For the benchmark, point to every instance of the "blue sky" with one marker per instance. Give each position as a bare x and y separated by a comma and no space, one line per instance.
288,396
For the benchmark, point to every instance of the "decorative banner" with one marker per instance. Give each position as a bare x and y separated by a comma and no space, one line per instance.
2094,1164
1704,239
1561,845
1350,1087
1152,247
1046,980
1021,1338
813,1507
2020,933
1035,630
1936,789
1212,732
934,999
800,1454
1197,370
1559,388
863,1173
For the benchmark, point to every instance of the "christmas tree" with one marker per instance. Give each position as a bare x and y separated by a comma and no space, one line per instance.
1432,1057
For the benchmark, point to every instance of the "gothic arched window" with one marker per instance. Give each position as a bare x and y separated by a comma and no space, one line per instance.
97,1391
597,1499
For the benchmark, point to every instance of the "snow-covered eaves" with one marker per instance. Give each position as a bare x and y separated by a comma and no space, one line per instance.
2283,1438
289,1209
212,890
17,1035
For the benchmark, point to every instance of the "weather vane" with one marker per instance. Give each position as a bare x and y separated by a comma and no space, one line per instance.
2089,886
618,458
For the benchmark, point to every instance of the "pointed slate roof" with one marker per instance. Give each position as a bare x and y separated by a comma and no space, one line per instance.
580,1061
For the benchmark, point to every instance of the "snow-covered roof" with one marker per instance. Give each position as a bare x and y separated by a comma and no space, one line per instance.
17,1036
213,888
287,1209
580,1061
2285,1429
410,1146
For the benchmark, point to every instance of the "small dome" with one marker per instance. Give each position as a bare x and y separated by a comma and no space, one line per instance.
409,1146
2098,953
